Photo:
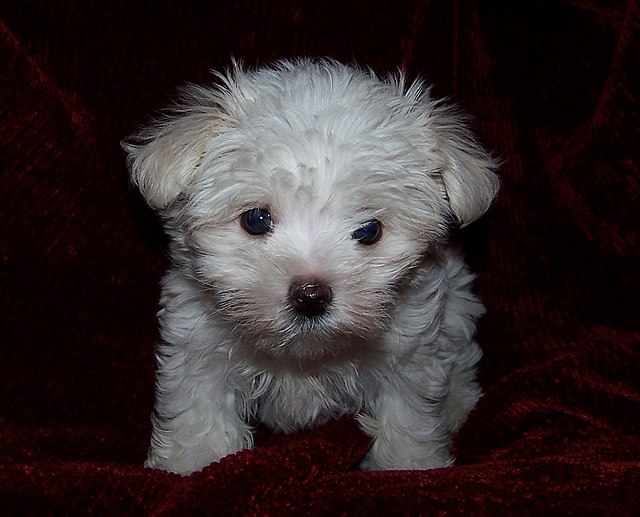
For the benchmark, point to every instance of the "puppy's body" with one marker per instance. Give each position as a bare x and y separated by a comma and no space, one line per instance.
308,206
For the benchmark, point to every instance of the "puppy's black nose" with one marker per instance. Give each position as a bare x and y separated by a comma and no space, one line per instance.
310,298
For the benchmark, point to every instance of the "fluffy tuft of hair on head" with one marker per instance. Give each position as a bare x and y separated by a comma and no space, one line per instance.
164,157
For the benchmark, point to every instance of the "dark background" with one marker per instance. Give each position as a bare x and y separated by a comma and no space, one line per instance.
553,89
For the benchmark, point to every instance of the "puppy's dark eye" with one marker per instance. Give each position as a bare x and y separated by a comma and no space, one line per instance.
257,221
369,232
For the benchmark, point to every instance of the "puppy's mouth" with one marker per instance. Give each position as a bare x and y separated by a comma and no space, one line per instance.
307,339
311,322
318,327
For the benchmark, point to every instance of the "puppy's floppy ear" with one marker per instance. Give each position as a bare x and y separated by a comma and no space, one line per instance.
163,158
468,171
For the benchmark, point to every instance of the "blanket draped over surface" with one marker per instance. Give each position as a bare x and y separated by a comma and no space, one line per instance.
554,90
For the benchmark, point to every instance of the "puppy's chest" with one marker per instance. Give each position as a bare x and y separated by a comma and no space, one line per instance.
292,402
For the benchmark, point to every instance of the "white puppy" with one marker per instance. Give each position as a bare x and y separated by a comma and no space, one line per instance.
308,206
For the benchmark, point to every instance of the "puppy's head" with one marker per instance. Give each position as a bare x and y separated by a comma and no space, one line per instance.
303,196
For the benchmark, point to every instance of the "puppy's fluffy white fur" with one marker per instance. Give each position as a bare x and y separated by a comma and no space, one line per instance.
319,148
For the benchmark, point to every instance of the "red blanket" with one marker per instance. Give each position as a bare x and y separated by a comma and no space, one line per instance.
554,88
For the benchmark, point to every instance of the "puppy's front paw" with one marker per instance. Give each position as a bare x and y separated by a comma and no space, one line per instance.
184,453
379,459
396,447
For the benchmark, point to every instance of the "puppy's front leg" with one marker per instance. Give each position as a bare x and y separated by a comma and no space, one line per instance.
196,419
407,430
194,424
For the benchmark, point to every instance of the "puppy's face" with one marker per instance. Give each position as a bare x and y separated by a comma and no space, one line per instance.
302,201
304,239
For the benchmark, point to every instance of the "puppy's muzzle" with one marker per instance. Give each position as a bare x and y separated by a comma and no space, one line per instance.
310,298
